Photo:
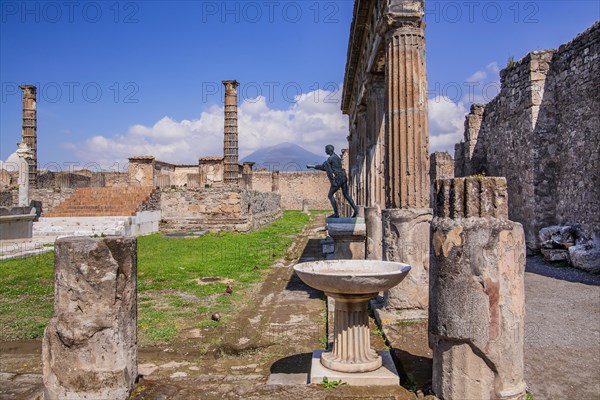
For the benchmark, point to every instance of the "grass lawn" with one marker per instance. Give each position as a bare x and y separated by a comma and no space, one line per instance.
170,299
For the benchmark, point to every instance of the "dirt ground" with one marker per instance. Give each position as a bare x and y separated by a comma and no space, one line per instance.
270,341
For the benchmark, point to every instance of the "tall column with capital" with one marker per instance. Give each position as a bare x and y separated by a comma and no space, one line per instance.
407,137
407,217
29,131
231,171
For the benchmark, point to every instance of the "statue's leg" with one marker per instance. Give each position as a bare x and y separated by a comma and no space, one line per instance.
349,199
331,196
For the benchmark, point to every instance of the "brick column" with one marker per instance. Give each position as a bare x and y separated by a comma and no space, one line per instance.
29,131
230,142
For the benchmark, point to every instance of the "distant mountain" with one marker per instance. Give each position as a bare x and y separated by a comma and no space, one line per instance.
284,157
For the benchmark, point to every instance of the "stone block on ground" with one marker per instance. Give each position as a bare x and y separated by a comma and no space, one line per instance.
585,257
554,255
557,237
89,348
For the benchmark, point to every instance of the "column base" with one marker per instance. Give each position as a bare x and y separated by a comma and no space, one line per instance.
385,375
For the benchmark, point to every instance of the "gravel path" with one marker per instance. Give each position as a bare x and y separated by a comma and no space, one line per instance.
562,332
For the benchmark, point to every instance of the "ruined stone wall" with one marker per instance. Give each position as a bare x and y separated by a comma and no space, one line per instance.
50,197
569,122
216,209
262,181
541,133
260,208
295,187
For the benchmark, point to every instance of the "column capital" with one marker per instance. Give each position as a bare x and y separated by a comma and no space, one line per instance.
231,85
23,151
402,17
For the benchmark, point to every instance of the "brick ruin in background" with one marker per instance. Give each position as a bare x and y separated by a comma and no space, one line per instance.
385,97
29,132
542,132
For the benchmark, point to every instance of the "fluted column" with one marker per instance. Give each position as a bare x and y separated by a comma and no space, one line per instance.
407,142
352,350
375,141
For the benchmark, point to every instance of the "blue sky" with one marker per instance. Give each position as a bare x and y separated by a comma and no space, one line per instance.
143,77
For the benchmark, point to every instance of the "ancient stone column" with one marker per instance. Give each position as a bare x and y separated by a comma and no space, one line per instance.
407,217
374,232
230,142
25,155
29,131
375,141
89,350
476,307
407,136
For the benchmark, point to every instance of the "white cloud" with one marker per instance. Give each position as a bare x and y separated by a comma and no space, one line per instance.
312,121
493,67
11,163
446,123
478,76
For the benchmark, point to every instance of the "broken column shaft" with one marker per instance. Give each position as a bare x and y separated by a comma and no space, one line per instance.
89,349
476,304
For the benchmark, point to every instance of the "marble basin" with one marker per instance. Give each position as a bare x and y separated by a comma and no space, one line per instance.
351,283
352,277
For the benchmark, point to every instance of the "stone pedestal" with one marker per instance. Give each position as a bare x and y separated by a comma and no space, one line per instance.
351,338
349,236
16,222
406,239
89,349
476,308
374,249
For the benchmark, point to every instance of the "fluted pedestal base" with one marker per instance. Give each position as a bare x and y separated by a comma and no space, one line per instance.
386,375
351,338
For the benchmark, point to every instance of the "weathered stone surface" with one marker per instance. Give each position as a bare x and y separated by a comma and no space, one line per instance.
226,208
541,133
476,309
89,348
555,254
585,257
374,246
471,197
406,239
557,237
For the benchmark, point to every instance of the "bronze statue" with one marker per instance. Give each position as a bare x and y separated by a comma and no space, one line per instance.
337,177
